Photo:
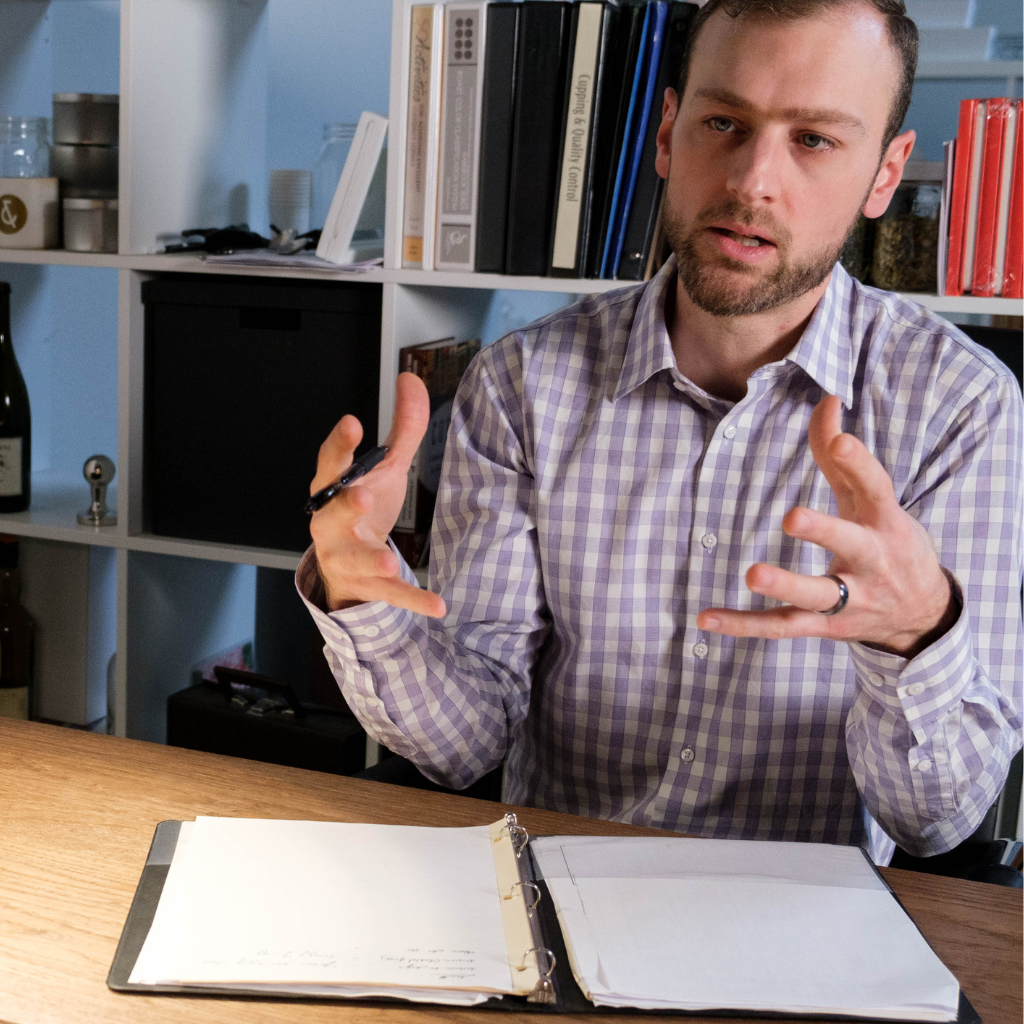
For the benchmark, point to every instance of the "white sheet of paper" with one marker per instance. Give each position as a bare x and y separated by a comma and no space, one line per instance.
710,943
320,903
728,924
675,857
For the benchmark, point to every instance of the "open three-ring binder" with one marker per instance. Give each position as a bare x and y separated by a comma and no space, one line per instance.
491,918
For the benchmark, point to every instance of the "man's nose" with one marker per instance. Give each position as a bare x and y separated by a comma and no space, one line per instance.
756,168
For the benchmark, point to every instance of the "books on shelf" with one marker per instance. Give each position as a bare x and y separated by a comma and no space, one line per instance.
549,113
440,365
486,916
983,250
464,41
419,209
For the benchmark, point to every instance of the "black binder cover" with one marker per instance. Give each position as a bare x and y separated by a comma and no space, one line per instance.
643,216
569,998
496,137
611,127
541,61
609,26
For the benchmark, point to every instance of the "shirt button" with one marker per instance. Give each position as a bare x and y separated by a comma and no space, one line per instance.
914,689
370,631
729,432
372,702
877,678
709,540
686,754
923,765
700,650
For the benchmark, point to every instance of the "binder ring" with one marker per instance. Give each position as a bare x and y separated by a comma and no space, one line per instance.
526,885
536,951
519,836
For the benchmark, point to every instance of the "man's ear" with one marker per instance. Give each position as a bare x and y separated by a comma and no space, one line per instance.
668,119
889,174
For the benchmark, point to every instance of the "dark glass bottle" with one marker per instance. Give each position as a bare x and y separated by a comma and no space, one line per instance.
15,419
17,635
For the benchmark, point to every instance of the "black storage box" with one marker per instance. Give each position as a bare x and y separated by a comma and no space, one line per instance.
244,380
247,715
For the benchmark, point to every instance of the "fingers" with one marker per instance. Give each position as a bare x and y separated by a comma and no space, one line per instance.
775,624
867,478
336,452
412,415
808,593
399,594
859,481
849,541
825,426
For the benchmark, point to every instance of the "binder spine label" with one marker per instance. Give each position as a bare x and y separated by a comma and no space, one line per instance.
460,136
576,145
416,144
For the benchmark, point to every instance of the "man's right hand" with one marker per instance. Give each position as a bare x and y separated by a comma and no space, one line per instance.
350,532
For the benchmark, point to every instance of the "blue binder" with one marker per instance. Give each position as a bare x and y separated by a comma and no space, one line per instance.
660,16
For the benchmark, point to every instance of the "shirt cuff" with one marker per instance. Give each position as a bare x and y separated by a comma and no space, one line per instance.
925,687
373,630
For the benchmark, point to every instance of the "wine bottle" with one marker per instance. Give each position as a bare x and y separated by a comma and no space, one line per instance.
15,419
17,634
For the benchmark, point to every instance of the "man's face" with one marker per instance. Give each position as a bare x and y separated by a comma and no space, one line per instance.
774,151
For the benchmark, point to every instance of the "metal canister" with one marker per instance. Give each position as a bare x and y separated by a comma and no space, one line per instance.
90,225
85,118
90,170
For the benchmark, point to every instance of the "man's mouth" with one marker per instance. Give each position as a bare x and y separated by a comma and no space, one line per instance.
751,241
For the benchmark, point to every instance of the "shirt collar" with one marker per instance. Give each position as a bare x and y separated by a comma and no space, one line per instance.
649,348
825,351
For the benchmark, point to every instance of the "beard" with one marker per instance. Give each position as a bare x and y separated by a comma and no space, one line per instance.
711,281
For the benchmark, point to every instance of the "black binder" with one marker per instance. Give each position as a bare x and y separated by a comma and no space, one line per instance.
643,215
496,137
556,990
542,58
611,127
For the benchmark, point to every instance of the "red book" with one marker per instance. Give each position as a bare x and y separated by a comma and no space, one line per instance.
983,280
1013,276
958,203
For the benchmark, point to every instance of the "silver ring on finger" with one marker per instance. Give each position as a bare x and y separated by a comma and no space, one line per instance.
844,595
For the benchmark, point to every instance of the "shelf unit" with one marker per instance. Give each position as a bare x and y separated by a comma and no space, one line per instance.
202,120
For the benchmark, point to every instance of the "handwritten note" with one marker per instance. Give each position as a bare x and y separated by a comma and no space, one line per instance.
275,903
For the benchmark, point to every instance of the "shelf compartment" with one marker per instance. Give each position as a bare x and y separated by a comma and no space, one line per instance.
56,501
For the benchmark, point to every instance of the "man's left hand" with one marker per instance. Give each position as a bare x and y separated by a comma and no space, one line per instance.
899,597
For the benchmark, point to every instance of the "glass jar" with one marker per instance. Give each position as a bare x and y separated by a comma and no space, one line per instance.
907,235
24,147
330,162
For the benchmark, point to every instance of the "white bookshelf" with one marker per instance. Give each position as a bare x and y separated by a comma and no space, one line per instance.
197,84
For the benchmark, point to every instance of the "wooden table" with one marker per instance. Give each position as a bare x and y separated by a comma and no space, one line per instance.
77,812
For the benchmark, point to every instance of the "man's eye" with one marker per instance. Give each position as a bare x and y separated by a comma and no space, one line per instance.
812,141
720,124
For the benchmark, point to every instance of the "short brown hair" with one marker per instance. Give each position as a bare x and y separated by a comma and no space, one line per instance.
902,35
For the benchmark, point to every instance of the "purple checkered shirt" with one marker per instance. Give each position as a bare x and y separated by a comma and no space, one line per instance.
593,500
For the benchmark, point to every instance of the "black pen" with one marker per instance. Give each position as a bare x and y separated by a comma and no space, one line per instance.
359,468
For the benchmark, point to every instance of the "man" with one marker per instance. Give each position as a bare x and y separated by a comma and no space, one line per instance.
736,552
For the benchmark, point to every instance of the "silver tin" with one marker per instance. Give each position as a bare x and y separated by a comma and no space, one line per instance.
85,118
85,167
90,225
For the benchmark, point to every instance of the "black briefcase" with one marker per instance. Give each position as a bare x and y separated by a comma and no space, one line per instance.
243,714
